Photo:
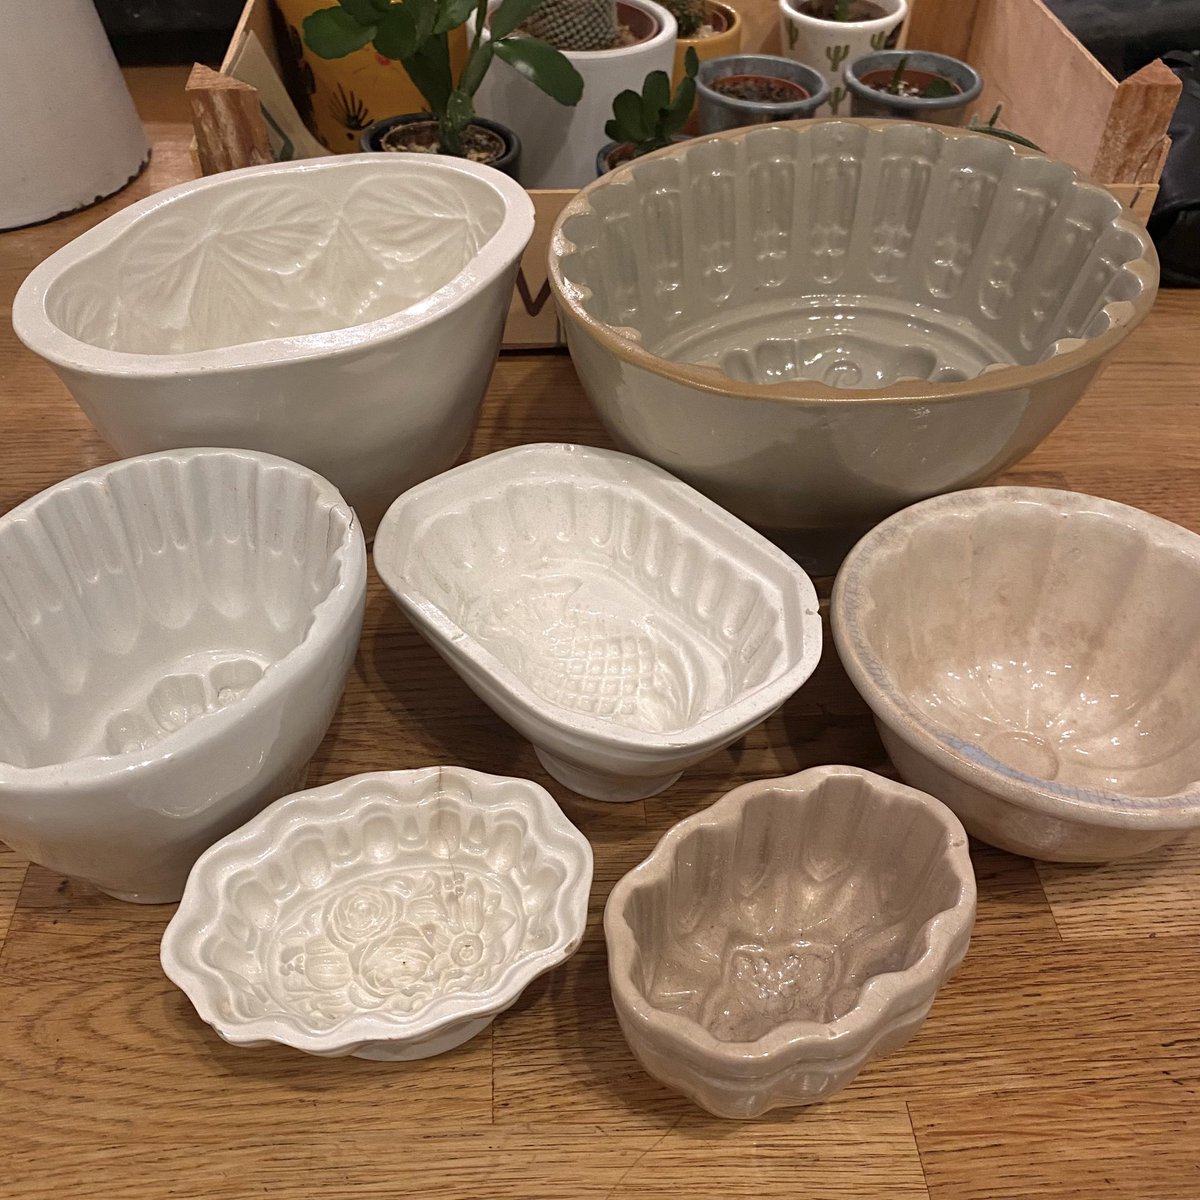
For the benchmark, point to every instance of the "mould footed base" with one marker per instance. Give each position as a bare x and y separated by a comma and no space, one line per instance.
596,785
398,1052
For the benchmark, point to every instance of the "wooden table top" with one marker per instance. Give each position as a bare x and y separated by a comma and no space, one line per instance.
1063,1060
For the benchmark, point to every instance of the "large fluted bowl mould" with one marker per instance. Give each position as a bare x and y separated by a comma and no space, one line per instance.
176,630
821,322
343,312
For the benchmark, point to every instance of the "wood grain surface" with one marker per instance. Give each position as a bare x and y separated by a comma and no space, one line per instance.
1063,1060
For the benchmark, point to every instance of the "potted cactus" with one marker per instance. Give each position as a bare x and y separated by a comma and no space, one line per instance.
416,33
710,28
828,34
650,120
614,45
912,86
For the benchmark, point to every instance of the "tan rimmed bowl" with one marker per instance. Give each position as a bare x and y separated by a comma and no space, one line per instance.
818,323
776,942
1032,658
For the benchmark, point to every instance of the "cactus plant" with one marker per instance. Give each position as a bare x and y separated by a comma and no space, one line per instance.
650,120
574,24
690,15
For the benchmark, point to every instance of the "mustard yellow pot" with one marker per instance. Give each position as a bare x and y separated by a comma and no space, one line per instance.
345,95
727,40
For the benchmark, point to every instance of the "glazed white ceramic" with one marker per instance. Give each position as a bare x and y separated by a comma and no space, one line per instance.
819,323
827,46
69,134
389,916
617,619
559,143
776,942
1032,658
175,631
343,312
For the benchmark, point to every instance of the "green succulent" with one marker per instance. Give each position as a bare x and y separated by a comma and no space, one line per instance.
416,34
650,120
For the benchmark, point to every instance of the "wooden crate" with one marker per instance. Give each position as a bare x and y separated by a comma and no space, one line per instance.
1052,91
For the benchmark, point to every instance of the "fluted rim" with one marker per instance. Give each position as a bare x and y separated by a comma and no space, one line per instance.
200,908
874,682
883,998
750,708
340,606
571,299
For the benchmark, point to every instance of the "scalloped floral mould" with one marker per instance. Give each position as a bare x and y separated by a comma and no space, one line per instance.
388,915
272,259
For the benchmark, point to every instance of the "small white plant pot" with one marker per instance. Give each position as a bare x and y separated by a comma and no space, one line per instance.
827,46
558,143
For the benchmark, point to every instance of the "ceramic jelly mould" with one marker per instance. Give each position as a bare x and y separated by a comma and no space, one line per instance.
1032,658
175,631
820,322
389,916
342,312
621,622
776,942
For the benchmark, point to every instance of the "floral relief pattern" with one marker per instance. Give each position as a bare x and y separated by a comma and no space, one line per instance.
279,259
393,945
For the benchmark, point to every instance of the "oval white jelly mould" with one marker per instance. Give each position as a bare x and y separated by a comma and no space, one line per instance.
342,312
626,625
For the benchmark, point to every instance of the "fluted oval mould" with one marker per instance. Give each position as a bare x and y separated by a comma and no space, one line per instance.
174,631
773,944
623,623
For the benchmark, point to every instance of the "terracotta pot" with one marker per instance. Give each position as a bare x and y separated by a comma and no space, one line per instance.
346,95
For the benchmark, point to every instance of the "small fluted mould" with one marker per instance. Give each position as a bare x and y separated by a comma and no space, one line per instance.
1032,658
388,916
776,942
624,624
175,631
342,312
818,323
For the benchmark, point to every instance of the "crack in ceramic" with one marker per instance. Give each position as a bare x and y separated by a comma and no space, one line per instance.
618,620
1046,643
387,916
772,945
